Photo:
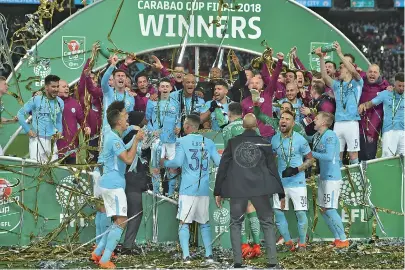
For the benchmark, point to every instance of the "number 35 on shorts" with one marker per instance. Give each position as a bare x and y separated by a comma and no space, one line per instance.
303,201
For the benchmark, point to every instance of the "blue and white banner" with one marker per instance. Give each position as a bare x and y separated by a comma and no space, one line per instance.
315,3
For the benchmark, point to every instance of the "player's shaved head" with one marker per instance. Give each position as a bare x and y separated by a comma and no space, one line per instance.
249,121
190,77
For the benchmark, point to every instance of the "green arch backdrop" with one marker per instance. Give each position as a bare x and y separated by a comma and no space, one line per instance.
144,26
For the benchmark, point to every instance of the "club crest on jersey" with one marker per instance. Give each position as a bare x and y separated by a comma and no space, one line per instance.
117,145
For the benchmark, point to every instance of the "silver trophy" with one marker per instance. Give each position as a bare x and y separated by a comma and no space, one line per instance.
149,138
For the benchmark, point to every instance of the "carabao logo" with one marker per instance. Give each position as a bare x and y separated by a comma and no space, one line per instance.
73,51
10,212
5,189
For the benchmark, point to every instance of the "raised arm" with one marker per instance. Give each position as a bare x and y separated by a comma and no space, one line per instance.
108,90
94,91
81,88
346,62
272,85
298,64
327,79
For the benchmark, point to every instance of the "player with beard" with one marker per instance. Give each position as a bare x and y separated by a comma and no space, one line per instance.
145,91
371,120
46,121
110,95
186,101
290,77
274,122
292,97
206,89
72,120
291,149
347,91
326,149
162,118
217,109
393,138
118,93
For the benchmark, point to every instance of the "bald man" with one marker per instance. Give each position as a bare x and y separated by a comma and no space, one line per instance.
371,119
185,101
72,116
248,171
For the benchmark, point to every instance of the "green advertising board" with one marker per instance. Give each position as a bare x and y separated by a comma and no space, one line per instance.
56,206
356,215
146,26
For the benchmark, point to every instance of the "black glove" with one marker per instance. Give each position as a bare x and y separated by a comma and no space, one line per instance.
214,105
289,171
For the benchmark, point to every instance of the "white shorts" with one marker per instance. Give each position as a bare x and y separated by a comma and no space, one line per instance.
115,201
348,133
298,195
40,149
328,193
168,150
96,183
193,208
393,143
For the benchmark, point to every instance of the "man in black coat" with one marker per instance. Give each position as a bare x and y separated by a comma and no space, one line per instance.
248,171
136,183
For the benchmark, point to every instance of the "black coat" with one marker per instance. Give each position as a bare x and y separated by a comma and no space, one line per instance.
248,169
139,181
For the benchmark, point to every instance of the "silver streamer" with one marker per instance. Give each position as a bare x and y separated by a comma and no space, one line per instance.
362,168
3,45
